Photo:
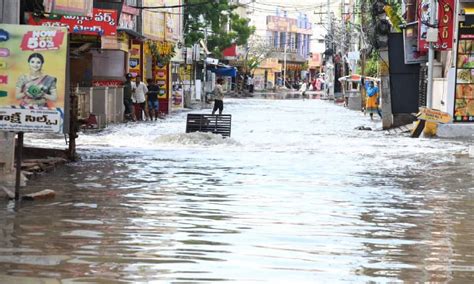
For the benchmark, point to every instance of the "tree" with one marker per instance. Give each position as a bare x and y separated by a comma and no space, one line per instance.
257,51
213,18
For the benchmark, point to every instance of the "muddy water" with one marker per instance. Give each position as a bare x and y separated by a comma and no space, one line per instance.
297,195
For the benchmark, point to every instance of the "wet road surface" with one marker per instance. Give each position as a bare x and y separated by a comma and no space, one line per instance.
296,195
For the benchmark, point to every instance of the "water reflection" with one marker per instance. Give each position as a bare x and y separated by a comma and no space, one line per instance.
303,199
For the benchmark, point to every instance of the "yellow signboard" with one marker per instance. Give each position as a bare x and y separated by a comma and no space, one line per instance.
434,115
33,78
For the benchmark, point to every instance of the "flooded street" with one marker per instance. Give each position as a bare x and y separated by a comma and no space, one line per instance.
296,195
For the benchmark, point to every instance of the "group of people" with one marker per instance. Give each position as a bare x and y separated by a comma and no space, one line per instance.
137,96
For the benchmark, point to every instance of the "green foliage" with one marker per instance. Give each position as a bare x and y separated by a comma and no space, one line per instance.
215,17
371,65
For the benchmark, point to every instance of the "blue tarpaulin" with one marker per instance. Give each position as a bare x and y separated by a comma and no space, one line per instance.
225,71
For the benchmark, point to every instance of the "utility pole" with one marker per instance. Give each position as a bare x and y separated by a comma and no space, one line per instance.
431,53
329,64
363,54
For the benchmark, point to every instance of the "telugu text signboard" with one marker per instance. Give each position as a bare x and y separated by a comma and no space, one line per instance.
433,115
32,78
445,25
103,22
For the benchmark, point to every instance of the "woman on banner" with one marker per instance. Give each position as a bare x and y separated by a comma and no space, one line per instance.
36,88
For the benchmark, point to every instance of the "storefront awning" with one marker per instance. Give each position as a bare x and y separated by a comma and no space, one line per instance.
225,71
132,33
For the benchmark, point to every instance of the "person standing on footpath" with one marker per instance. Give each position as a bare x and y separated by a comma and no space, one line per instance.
218,97
250,84
127,97
140,90
152,100
371,104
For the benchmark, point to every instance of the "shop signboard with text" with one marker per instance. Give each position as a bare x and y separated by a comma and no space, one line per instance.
162,78
103,22
445,26
135,59
32,78
464,92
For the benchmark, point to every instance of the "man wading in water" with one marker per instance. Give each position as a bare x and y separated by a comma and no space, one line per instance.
218,97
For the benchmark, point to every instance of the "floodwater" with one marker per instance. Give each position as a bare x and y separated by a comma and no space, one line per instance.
296,195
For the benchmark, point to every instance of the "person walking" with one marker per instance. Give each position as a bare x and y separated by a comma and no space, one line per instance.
127,98
152,100
218,97
138,96
371,104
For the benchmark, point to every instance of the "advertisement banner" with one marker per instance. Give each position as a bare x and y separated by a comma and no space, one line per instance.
464,92
69,7
173,23
177,101
134,60
32,78
446,25
128,17
410,45
153,22
162,77
103,22
284,24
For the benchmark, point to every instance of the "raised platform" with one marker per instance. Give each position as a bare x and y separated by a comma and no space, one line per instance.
456,130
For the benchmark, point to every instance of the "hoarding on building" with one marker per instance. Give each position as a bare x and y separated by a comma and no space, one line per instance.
445,26
32,78
464,92
412,55
173,21
153,21
128,17
284,24
69,7
103,22
314,61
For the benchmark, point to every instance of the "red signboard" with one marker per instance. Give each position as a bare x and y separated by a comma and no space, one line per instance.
231,51
42,40
107,83
445,25
103,22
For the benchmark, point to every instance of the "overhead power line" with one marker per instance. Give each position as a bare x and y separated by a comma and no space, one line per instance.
174,6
